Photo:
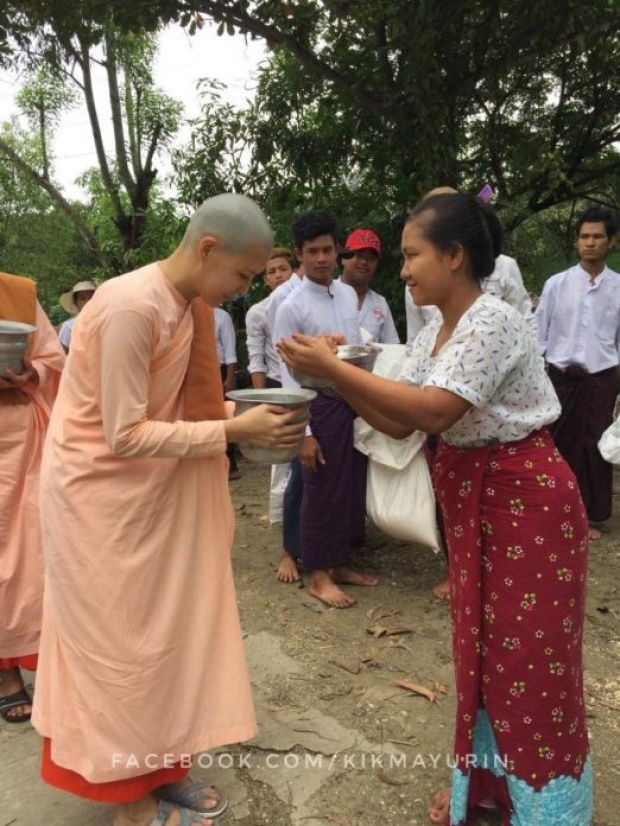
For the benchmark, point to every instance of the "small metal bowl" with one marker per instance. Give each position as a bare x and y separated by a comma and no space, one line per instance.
285,397
361,355
13,345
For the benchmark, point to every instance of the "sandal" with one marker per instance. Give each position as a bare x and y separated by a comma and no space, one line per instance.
164,810
19,698
191,797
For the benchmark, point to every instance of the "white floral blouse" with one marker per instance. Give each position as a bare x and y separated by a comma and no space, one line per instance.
491,361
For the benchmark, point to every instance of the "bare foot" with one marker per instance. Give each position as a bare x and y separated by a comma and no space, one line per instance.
287,569
442,590
440,806
594,534
10,683
149,811
347,576
323,588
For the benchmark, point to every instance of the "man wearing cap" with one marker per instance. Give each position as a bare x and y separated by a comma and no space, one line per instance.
73,302
359,261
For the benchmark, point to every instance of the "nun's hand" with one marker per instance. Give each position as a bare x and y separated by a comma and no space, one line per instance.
16,381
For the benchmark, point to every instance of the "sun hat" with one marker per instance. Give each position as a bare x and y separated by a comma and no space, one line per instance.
67,300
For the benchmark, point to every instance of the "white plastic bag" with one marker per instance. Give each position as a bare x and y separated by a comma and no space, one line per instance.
390,361
609,443
399,493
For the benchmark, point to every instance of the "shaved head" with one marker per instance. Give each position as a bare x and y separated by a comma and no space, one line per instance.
236,221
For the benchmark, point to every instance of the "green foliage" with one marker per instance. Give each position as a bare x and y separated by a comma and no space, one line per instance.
19,195
362,107
45,96
43,246
120,228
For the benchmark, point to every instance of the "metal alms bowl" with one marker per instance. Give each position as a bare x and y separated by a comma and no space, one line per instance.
13,345
361,355
285,397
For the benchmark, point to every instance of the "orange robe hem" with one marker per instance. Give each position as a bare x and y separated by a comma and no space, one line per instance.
114,791
28,661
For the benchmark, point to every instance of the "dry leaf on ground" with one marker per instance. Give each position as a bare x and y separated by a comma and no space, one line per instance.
388,631
417,689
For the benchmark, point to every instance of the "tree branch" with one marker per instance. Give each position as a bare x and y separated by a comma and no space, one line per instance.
117,120
132,126
246,22
89,98
57,197
152,148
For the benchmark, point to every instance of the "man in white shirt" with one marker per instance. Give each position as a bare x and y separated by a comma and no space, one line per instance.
264,364
332,510
579,335
359,260
226,341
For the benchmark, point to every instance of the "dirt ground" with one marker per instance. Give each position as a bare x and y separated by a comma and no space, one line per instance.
350,675
340,743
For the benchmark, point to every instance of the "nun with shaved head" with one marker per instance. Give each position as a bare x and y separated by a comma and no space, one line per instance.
142,663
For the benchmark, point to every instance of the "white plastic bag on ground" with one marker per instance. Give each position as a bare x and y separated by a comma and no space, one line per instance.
609,443
399,493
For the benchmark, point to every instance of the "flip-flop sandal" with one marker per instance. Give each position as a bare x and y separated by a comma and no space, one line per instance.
165,809
19,698
191,797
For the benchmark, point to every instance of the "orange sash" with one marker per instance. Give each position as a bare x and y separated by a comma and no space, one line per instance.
203,382
18,302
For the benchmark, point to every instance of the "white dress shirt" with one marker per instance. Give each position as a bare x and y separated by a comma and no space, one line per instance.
262,355
376,319
579,322
279,295
315,310
64,334
506,282
225,337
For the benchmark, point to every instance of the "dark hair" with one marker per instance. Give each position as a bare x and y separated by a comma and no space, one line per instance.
597,214
450,220
313,224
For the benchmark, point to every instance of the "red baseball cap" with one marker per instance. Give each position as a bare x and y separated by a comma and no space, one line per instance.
363,239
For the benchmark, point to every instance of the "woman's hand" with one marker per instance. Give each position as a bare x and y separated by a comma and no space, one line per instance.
314,356
268,425
17,381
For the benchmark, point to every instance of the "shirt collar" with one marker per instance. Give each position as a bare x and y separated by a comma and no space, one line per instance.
317,288
599,278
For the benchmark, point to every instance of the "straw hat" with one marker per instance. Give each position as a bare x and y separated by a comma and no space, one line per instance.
67,300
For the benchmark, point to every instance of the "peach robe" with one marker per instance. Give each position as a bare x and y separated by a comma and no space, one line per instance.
22,432
142,660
